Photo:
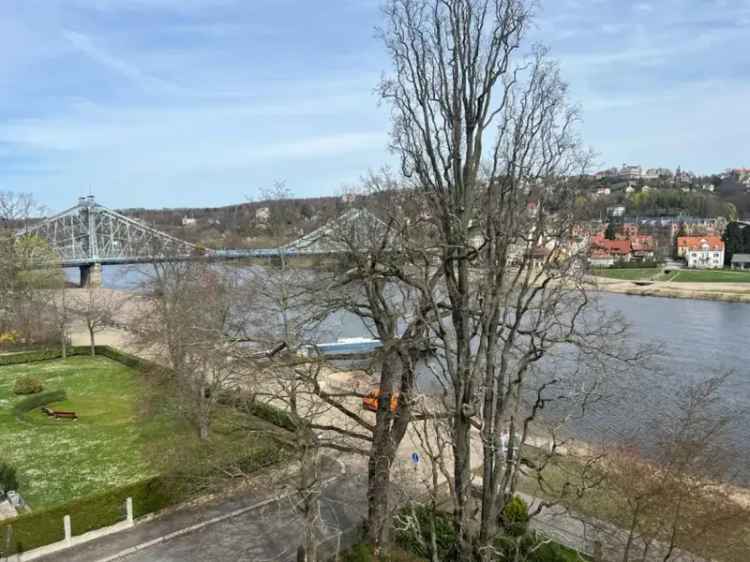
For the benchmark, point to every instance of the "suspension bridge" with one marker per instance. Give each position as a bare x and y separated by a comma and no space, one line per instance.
89,236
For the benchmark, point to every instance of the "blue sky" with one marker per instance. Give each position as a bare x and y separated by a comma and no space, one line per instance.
206,102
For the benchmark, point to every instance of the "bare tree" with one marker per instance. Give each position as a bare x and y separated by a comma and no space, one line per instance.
98,309
486,136
668,483
187,321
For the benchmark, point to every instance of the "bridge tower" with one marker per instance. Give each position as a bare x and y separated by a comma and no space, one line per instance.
91,273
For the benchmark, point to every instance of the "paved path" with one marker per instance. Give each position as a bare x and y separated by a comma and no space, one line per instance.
252,527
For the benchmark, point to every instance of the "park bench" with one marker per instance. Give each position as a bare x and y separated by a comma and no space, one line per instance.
59,414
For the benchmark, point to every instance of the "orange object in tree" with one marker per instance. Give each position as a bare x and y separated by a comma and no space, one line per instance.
370,402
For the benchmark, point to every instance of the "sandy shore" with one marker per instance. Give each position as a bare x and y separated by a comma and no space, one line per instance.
726,292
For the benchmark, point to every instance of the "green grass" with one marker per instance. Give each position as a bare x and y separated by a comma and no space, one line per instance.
119,439
60,460
628,274
711,276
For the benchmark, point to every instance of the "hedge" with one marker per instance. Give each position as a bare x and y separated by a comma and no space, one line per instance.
272,414
38,400
44,527
51,354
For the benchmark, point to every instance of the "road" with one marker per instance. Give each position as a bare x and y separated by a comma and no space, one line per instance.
229,529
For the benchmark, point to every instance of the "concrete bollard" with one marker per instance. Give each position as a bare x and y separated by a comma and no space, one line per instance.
68,532
129,510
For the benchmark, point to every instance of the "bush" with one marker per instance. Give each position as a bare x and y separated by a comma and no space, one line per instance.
534,547
363,553
272,414
27,385
514,518
8,480
39,400
44,527
415,537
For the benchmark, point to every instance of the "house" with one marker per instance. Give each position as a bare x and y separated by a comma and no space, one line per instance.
630,230
631,172
629,189
643,247
701,252
604,191
262,215
646,189
604,253
741,261
617,211
188,221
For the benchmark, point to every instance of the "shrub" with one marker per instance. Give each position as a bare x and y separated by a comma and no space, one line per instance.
38,400
416,536
27,384
272,414
358,553
534,547
514,518
8,480
363,553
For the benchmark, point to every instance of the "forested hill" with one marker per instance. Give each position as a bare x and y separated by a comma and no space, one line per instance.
247,225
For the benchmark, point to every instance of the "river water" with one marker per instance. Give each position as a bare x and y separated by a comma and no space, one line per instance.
694,340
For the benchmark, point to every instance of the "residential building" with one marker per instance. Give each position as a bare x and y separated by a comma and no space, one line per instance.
262,215
630,230
643,247
617,211
646,189
631,172
741,261
188,221
701,252
629,189
604,191
604,253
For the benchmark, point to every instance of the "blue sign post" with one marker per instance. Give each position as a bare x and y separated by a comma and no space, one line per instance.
415,458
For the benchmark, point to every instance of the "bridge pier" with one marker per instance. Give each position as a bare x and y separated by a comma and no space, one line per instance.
91,276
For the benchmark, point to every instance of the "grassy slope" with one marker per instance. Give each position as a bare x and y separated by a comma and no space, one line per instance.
61,460
683,276
711,276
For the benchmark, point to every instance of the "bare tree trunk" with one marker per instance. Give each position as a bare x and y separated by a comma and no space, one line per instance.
92,339
310,490
378,495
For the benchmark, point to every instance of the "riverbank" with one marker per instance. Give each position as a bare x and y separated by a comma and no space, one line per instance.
723,292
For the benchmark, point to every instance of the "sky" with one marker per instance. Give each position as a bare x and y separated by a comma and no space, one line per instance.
173,103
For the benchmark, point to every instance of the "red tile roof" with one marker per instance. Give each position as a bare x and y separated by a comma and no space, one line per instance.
696,242
617,247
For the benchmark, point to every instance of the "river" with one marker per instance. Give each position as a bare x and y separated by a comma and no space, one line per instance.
694,339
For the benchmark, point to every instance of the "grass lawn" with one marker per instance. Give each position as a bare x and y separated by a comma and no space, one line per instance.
58,460
628,274
111,445
711,276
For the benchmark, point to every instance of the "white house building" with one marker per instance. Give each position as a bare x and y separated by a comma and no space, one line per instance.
701,252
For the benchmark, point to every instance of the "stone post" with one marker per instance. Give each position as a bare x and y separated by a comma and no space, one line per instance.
68,532
129,510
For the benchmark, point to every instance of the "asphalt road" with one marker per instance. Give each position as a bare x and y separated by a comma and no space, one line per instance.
270,533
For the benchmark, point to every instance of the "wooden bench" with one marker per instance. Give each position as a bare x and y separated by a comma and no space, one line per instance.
59,414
